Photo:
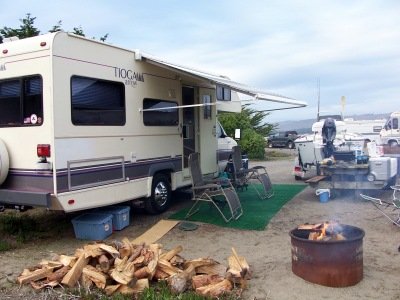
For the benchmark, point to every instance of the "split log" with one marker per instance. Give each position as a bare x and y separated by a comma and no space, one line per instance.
204,279
126,248
104,263
109,249
166,267
178,283
310,226
170,254
73,275
238,266
152,265
143,272
199,262
111,289
86,282
59,274
51,264
124,272
214,269
138,288
93,250
44,284
98,277
160,275
177,260
216,289
136,252
35,275
67,260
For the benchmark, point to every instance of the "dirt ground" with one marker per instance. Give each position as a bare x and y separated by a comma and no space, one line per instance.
268,252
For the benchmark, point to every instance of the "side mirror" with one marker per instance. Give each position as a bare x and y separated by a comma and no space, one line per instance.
237,134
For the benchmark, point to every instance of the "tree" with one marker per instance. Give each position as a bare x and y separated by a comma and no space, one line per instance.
27,29
253,128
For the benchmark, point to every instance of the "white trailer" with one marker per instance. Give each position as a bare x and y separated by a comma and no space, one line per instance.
85,124
390,133
369,129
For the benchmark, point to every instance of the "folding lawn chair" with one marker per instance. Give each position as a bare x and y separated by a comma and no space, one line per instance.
217,192
390,209
242,177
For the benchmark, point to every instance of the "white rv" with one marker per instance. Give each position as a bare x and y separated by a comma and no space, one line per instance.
390,133
369,129
85,124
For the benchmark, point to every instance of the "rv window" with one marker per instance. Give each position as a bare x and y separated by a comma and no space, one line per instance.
21,101
160,112
395,124
223,93
97,102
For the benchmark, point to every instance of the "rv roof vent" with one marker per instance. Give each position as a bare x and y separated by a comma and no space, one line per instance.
138,54
10,39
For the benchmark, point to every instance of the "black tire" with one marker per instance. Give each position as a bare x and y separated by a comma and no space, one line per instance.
269,145
297,177
290,145
393,143
160,199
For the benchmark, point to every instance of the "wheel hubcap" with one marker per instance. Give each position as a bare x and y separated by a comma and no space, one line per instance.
160,194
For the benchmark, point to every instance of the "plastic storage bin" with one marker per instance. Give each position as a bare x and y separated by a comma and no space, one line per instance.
93,226
120,215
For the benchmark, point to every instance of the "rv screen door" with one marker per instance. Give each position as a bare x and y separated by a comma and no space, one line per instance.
188,126
207,130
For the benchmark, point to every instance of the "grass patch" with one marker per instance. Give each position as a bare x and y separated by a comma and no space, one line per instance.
277,155
18,228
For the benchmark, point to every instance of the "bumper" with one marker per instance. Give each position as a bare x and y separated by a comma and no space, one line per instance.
24,198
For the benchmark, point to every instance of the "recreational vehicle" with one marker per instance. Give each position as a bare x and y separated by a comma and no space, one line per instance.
85,124
369,129
390,133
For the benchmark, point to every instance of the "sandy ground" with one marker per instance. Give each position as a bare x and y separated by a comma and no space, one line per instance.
268,252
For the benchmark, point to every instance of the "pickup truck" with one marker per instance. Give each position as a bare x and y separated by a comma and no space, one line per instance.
282,139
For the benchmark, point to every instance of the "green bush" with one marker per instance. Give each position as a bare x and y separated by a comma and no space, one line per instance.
253,144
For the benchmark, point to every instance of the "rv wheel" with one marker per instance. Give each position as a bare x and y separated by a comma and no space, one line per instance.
4,162
160,195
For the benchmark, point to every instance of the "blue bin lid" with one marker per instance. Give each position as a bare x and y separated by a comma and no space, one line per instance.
93,218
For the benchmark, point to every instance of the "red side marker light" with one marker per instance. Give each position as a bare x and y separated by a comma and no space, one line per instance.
71,201
43,150
43,44
5,51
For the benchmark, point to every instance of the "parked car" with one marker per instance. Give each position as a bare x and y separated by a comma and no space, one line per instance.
282,139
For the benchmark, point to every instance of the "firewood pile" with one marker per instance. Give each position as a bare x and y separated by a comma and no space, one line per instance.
327,231
127,268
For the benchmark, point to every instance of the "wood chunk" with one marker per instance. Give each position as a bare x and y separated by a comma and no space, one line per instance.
214,269
59,274
111,289
166,267
124,272
160,275
170,254
152,265
178,283
86,282
199,262
51,264
204,279
126,248
143,272
67,260
104,263
96,276
35,275
93,250
139,287
136,252
111,250
73,275
44,284
216,289
310,226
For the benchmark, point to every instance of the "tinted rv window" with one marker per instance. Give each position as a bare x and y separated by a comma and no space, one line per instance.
160,113
21,101
223,93
97,102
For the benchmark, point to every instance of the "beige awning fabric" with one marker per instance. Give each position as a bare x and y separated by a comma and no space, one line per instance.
226,82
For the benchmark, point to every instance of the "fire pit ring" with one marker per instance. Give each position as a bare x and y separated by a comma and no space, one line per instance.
337,263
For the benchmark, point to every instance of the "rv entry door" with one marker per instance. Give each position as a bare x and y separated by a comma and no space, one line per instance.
207,131
188,127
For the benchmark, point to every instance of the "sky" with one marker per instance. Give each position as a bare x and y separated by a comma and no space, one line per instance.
304,50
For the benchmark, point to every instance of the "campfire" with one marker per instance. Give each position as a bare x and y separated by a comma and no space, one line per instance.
328,253
327,231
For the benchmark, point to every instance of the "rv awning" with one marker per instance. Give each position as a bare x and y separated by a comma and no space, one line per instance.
226,82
